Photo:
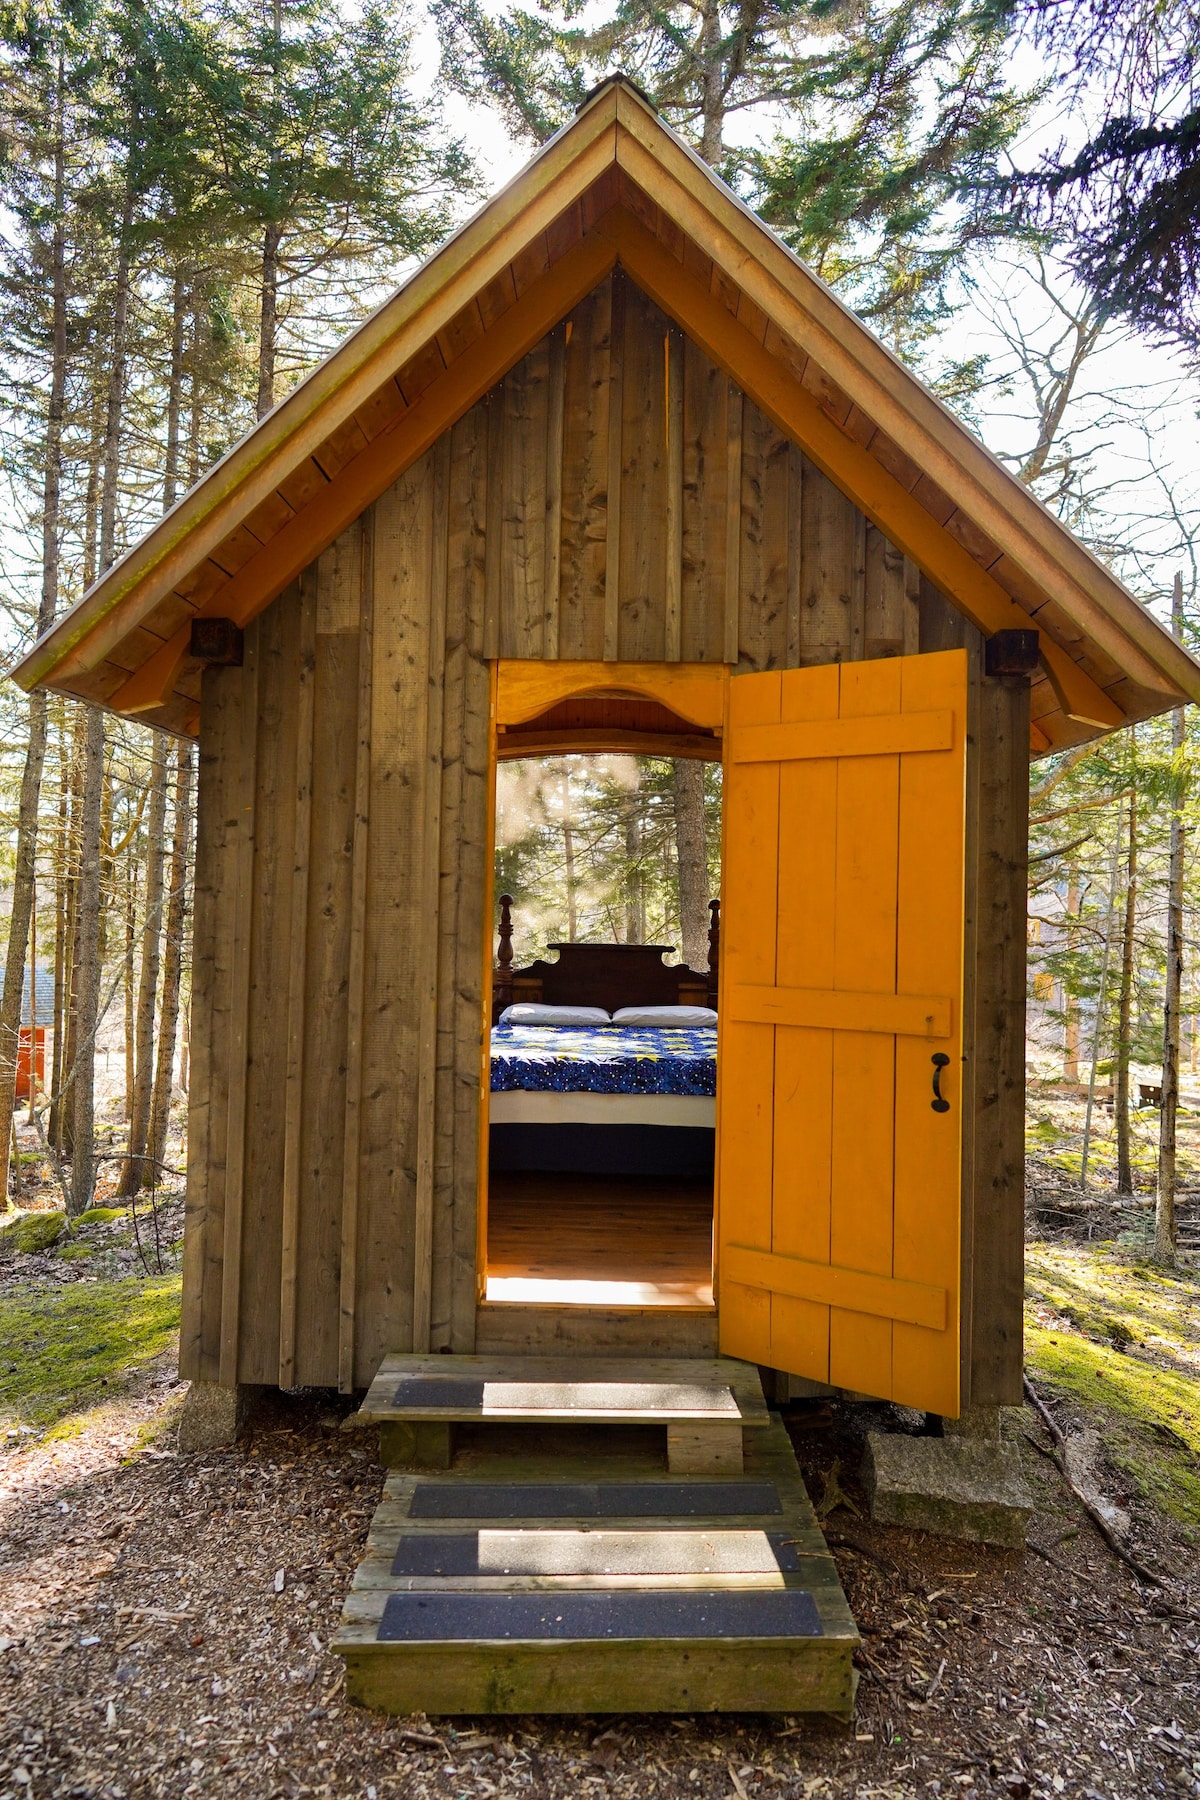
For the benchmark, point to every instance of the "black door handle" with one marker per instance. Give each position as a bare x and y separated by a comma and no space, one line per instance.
940,1061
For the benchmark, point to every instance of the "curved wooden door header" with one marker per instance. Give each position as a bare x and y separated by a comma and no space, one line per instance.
693,691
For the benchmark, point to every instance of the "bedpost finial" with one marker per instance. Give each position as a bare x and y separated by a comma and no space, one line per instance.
504,953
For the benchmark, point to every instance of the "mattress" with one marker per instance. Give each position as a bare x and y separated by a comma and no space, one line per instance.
604,1059
518,1106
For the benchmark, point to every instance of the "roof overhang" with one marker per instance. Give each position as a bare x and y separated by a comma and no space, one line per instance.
614,186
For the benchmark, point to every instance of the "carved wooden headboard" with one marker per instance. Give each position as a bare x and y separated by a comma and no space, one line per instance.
607,975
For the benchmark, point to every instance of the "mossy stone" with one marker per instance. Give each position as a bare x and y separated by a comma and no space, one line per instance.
34,1231
100,1215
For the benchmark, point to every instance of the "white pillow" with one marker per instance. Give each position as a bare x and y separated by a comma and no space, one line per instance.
682,1017
528,1012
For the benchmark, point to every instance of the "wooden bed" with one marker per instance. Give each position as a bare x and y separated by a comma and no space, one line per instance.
607,975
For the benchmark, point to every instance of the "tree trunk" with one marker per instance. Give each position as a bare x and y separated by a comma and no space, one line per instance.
569,856
25,866
130,1008
692,854
87,965
70,763
111,454
174,393
268,314
1165,1233
1070,1002
1125,1013
635,908
134,1174
712,79
164,1077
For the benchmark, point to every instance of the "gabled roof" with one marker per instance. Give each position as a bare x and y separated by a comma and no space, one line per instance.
614,186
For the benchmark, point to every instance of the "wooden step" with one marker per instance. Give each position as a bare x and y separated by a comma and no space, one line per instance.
704,1404
586,1582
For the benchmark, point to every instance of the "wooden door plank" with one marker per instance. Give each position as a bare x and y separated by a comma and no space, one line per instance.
803,1092
864,1063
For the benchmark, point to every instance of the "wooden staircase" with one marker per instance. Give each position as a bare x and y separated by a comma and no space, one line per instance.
587,1535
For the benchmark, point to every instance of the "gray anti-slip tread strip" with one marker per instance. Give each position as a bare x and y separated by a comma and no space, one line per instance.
623,1614
460,1499
454,1393
695,1551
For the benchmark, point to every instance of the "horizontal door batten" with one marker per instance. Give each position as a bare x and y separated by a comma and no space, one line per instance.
874,734
882,1296
837,1009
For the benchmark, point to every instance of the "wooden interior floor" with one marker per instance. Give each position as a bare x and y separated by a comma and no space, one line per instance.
599,1240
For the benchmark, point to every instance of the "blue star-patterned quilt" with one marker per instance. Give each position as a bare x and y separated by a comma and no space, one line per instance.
604,1059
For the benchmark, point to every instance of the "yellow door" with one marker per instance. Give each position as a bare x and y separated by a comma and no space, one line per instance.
841,1002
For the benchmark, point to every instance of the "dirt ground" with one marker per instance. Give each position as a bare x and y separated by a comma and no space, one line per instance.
164,1617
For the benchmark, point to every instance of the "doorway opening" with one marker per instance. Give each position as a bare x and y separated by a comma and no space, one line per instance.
601,1108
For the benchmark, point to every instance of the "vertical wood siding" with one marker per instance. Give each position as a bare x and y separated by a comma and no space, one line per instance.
631,506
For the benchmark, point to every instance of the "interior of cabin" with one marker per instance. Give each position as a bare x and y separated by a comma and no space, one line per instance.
601,1101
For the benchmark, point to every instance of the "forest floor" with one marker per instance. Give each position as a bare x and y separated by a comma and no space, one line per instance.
164,1618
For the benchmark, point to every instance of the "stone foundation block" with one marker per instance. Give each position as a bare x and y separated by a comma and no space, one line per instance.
957,1487
213,1416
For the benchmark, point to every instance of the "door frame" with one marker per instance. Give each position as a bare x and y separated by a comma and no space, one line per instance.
519,691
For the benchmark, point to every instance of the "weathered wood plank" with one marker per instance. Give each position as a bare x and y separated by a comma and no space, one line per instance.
997,1194
705,429
239,1024
301,798
765,546
828,530
267,1045
429,895
328,936
521,545
673,574
217,827
390,1029
733,524
641,629
614,466
355,995
552,503
585,474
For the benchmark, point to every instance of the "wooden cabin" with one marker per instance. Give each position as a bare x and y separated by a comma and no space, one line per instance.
613,470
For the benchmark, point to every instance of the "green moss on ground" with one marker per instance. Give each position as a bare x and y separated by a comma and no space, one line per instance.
1123,1341
63,1348
33,1231
101,1215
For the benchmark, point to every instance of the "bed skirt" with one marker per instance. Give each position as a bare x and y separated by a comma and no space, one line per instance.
684,1152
